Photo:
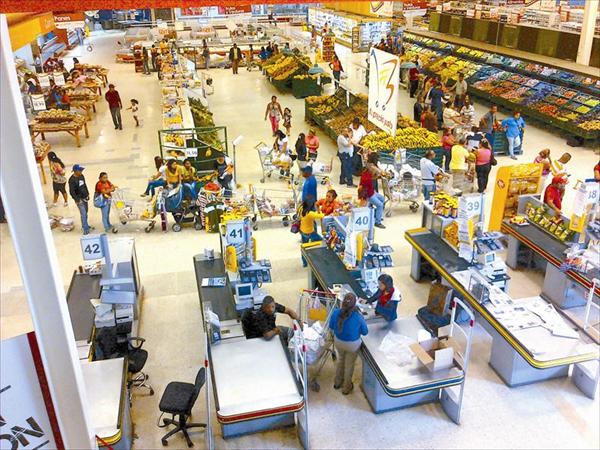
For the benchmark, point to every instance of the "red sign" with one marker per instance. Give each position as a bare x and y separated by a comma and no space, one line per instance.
62,17
408,5
232,10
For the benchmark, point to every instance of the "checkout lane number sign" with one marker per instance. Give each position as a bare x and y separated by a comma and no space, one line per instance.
235,233
360,219
91,248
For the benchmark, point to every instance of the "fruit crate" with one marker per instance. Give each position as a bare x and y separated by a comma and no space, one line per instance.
500,146
306,87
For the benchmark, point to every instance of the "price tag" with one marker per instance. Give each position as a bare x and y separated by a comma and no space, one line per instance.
592,192
235,232
59,78
38,102
91,247
191,152
361,218
44,80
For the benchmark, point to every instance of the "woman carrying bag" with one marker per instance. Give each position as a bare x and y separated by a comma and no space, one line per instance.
103,199
484,160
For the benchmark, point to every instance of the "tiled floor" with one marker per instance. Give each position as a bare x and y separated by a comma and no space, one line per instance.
553,414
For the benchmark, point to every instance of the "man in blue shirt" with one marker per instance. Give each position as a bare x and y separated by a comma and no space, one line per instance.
429,170
435,96
309,189
513,126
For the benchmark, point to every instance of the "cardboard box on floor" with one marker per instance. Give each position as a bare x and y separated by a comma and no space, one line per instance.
436,353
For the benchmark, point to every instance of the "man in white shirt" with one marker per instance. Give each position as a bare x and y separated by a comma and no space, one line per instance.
429,170
345,153
358,133
460,89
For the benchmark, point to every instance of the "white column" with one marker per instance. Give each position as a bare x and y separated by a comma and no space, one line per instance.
586,38
23,201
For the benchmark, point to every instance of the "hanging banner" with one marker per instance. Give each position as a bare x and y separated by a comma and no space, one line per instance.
59,78
44,80
69,20
233,10
384,76
38,102
382,9
28,417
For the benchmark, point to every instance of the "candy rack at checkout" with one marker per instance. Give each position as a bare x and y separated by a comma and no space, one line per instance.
533,340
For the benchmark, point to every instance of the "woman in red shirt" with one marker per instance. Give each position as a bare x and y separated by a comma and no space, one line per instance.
103,199
447,144
367,188
336,68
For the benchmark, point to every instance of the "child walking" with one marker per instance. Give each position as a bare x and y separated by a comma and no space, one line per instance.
287,121
134,111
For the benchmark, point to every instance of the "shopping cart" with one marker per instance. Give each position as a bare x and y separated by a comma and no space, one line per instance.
315,308
272,203
272,162
322,171
404,182
131,208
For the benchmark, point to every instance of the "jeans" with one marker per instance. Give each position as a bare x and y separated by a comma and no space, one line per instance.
336,76
346,170
513,142
207,63
83,212
378,201
152,185
427,190
106,215
146,67
447,158
225,183
357,162
414,84
116,117
347,351
312,237
490,138
483,172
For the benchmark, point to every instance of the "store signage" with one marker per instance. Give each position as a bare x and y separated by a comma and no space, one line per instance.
384,75
233,10
91,247
593,192
59,78
27,413
191,152
408,5
38,102
235,232
382,9
44,80
360,219
69,20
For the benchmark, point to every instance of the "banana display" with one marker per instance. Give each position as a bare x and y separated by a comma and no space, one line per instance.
287,67
405,138
201,115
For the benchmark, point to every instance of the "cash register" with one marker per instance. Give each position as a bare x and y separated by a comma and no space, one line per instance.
247,296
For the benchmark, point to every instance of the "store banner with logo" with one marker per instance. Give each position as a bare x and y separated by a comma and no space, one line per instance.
27,419
384,75
382,9
69,20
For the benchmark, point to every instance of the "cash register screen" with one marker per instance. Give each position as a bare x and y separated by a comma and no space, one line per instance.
244,290
490,258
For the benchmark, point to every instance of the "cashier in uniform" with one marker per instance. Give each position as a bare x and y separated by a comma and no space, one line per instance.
262,322
553,194
387,298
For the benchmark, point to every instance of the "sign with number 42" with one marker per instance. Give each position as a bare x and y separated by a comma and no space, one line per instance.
91,247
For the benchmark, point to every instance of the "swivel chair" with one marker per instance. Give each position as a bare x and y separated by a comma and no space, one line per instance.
178,400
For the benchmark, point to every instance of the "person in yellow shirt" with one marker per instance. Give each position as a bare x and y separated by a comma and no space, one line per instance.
188,177
173,173
459,165
308,227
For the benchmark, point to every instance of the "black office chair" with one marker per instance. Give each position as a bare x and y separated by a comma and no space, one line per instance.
111,345
178,400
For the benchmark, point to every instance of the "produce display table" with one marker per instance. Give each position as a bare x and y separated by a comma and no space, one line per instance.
93,86
41,151
519,355
88,106
72,127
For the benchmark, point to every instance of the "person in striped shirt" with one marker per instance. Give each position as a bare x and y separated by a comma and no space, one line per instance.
557,166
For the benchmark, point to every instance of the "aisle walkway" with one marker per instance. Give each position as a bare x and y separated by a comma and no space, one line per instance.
552,414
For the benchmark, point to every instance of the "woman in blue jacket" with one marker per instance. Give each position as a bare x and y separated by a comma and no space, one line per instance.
348,325
387,298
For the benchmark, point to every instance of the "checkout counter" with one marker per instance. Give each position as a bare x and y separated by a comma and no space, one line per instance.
105,380
387,385
523,351
254,385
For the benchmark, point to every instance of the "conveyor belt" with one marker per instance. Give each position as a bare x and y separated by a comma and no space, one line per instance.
549,248
82,289
421,239
329,270
221,299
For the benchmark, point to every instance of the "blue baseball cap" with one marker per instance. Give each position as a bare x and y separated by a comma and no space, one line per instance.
307,169
78,168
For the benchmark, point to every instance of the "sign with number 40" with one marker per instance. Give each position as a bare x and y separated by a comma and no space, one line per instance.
361,219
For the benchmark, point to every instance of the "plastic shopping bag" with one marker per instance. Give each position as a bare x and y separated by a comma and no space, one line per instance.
396,349
316,310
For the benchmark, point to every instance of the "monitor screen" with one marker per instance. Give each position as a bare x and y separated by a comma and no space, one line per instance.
490,258
244,290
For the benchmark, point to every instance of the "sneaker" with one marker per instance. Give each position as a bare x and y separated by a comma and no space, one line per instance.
380,225
513,157
65,204
144,195
347,391
85,233
337,386
352,185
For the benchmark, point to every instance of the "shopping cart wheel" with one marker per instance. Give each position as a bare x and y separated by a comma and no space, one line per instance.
148,229
165,442
176,227
262,180
388,213
333,356
115,230
255,227
123,222
414,207
315,386
286,222
197,226
323,182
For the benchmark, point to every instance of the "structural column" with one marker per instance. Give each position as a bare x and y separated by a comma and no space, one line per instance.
23,200
586,38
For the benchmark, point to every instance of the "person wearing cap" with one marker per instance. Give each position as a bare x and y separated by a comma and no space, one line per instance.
80,194
554,193
309,188
348,325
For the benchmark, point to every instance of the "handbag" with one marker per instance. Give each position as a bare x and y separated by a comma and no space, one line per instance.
493,160
295,226
99,201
